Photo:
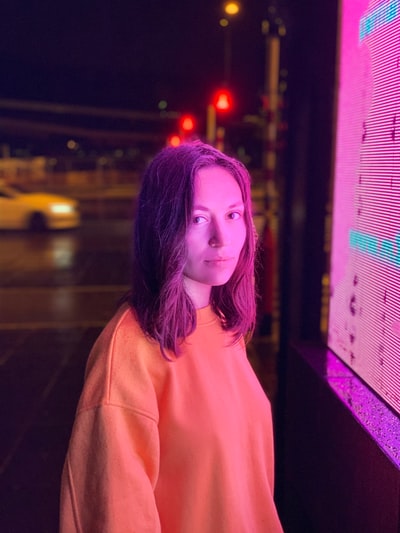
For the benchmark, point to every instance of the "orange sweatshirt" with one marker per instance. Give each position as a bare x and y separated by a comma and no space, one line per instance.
178,447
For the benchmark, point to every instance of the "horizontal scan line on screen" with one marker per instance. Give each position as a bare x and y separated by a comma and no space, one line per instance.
384,249
380,16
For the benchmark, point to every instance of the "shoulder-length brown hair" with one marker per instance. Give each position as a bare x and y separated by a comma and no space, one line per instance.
164,310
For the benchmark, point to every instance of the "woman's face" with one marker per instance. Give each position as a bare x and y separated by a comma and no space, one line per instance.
216,234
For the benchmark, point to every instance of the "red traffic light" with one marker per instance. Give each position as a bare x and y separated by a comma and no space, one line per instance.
174,140
223,100
187,123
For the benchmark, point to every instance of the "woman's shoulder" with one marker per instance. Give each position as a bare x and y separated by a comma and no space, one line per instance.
121,332
125,366
124,324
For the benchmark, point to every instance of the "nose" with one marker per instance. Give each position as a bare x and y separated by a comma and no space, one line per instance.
219,235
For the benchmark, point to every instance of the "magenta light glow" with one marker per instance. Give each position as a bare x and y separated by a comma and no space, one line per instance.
364,322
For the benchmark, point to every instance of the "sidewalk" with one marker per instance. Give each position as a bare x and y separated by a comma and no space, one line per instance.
40,383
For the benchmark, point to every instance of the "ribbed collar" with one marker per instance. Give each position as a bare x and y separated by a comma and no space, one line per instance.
205,316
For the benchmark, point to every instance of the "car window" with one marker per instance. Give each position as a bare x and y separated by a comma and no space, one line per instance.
17,188
3,194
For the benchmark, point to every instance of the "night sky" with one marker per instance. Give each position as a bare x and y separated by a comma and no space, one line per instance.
129,53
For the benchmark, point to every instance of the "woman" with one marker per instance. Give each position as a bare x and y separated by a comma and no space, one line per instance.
173,432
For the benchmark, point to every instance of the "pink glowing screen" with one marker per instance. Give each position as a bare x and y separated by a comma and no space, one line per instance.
364,323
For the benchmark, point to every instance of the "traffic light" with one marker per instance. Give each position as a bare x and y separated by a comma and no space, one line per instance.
174,140
186,124
186,128
220,103
223,100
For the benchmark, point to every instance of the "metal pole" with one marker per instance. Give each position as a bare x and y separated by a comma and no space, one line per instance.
270,111
271,100
227,53
211,124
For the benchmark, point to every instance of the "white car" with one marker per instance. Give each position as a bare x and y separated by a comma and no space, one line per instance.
36,210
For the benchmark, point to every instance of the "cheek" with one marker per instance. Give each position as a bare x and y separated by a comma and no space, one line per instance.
195,249
240,236
194,242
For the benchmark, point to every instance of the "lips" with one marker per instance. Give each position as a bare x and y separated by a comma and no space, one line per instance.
219,260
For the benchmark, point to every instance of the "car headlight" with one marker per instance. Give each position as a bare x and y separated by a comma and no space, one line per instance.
62,209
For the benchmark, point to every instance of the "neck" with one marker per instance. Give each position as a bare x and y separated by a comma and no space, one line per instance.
199,293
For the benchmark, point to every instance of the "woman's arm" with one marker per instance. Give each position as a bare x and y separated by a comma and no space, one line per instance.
110,473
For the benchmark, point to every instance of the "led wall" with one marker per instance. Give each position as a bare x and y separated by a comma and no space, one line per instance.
364,323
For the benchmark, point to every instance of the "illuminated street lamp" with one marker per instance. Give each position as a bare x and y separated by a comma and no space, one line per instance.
231,8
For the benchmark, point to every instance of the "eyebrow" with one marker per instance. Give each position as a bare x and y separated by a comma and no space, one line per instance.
232,206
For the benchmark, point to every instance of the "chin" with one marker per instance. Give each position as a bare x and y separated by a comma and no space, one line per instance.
221,281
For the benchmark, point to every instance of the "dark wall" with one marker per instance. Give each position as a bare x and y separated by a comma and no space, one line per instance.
310,54
311,49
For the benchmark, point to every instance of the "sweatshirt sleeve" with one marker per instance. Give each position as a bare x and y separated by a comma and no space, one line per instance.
110,473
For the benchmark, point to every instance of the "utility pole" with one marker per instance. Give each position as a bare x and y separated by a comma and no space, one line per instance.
269,161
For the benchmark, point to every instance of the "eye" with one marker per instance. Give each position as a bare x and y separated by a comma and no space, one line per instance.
199,219
235,215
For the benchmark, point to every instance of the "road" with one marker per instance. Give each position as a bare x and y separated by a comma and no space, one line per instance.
57,291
